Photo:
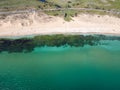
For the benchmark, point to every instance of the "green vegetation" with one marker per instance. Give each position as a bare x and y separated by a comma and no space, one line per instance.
28,44
18,4
108,5
55,13
10,5
98,4
113,5
69,13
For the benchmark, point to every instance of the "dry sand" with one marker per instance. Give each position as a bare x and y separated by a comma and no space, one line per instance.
40,23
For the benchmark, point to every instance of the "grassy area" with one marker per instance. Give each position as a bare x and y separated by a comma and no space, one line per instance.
102,4
8,5
23,4
18,3
109,5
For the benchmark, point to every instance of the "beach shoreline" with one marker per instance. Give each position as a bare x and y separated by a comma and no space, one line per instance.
42,24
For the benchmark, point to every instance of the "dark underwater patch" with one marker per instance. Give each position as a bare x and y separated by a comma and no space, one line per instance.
28,44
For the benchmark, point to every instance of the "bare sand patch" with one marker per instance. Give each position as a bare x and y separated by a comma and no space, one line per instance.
40,23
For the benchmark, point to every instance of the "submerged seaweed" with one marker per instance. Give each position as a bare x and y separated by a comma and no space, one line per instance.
28,44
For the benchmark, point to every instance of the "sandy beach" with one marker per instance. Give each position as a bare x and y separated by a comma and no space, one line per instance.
40,23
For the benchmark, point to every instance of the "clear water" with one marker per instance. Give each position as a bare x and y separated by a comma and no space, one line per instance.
63,68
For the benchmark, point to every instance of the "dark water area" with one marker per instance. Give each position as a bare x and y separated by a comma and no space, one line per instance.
28,44
42,0
77,63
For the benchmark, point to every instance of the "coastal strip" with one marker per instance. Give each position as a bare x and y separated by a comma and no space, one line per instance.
38,23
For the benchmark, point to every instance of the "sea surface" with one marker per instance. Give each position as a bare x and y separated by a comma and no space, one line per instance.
62,68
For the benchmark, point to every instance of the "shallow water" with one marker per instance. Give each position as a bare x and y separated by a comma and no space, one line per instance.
63,68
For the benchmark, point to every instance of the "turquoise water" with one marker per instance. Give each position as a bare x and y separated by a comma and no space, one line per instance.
62,68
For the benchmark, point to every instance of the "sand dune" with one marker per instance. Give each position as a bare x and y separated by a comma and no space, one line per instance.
40,23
